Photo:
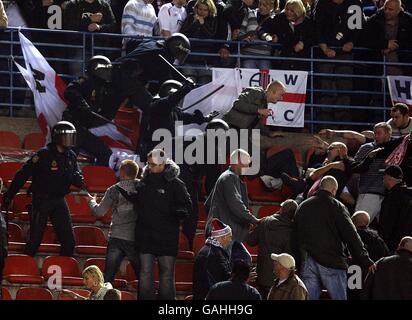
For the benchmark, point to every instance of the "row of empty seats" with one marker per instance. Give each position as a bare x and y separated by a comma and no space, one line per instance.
22,269
45,294
97,179
31,141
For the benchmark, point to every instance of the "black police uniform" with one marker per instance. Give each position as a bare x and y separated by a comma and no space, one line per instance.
130,74
52,174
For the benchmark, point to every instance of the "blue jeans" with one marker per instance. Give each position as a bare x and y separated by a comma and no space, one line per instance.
316,276
117,250
256,64
167,289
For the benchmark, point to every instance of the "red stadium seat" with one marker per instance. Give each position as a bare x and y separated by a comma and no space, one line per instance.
184,250
97,178
265,211
184,276
125,295
21,203
50,243
118,282
90,240
6,294
82,292
79,209
34,294
69,267
131,276
257,191
8,170
22,269
253,251
34,141
201,223
198,242
9,139
16,238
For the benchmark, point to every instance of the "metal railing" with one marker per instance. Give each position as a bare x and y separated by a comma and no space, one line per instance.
70,50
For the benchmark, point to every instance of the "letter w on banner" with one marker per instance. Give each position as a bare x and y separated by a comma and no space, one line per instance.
48,90
400,89
290,111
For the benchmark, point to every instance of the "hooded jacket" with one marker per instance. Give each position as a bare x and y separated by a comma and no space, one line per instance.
274,234
163,202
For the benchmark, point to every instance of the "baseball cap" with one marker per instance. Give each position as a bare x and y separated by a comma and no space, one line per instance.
286,260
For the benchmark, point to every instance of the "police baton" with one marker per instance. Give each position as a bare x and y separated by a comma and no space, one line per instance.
111,122
172,67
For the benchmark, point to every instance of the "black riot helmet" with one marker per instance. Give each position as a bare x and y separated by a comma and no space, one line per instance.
64,134
95,61
169,87
216,124
178,46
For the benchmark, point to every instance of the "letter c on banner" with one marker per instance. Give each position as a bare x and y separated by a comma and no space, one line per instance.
286,115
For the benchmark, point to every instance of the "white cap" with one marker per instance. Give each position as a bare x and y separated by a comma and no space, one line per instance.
286,260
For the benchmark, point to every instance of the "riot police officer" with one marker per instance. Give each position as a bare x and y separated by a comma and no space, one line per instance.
53,169
108,84
165,110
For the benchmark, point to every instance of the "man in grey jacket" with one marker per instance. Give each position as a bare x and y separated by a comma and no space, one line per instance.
228,200
122,229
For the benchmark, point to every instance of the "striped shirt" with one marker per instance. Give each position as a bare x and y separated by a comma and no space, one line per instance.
171,18
371,181
138,19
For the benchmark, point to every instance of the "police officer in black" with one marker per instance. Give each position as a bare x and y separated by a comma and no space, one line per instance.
165,110
53,169
107,85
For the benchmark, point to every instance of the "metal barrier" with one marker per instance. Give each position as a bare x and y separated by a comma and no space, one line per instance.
74,48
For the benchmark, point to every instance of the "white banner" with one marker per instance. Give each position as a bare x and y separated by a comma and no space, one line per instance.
400,88
48,90
290,112
228,88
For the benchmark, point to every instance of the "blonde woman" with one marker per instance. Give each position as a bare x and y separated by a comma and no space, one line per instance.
294,31
94,281
200,24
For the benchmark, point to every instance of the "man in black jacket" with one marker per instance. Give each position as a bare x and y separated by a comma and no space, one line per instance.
332,26
393,277
163,202
388,31
395,220
212,263
324,228
236,288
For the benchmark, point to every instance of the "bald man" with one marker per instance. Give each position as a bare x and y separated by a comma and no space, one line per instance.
324,228
251,107
389,30
393,277
374,244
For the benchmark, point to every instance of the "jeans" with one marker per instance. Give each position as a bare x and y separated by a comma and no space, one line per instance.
257,64
117,249
167,290
316,276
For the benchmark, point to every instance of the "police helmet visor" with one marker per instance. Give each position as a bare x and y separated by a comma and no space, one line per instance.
65,137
